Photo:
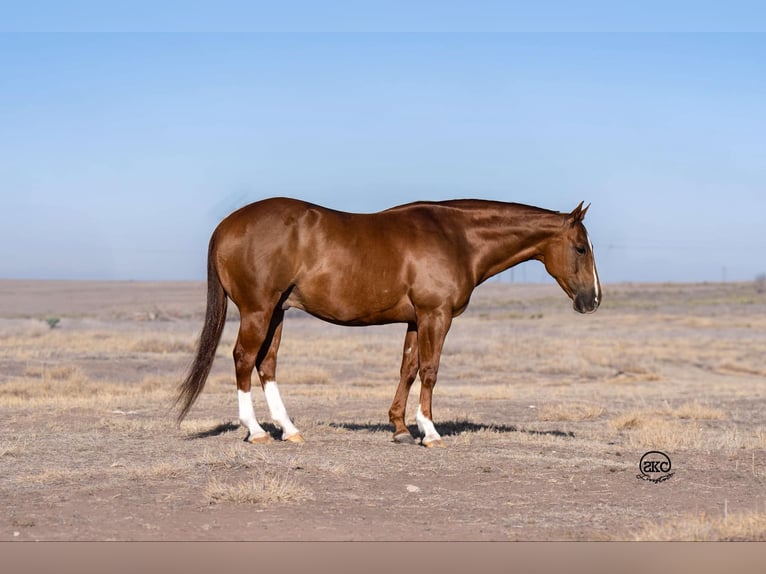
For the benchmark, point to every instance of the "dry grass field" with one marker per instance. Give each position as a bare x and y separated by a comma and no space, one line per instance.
546,414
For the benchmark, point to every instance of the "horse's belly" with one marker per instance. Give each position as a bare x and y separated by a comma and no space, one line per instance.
352,306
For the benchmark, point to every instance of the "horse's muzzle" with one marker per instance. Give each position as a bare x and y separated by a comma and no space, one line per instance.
586,302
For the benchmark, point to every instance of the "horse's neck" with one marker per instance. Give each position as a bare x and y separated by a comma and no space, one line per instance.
503,237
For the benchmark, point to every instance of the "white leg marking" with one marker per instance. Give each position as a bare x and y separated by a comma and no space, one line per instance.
277,409
247,414
426,427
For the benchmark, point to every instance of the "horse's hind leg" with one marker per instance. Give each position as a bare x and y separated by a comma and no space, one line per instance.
253,329
267,370
408,373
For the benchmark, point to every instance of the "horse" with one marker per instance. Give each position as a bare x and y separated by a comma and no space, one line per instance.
416,264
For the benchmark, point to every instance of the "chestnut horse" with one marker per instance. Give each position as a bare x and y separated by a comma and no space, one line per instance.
416,264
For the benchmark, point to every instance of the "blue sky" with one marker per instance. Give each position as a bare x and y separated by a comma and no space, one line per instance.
119,152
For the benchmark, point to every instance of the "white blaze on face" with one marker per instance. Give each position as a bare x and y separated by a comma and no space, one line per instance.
247,414
278,410
596,282
426,427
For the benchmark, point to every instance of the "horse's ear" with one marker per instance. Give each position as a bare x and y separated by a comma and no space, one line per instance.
578,214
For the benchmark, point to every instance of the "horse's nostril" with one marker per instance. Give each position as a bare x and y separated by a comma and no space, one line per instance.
586,303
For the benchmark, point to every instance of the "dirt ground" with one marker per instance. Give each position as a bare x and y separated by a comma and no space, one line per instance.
546,414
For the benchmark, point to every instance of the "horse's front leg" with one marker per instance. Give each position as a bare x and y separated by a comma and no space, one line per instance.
408,372
432,330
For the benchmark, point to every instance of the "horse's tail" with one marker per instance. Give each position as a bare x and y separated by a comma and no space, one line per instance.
215,320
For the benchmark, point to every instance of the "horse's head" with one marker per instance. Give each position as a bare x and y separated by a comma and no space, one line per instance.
568,257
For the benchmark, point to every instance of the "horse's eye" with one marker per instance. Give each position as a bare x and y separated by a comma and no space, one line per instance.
580,250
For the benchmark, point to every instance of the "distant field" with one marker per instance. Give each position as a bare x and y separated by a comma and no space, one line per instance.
545,412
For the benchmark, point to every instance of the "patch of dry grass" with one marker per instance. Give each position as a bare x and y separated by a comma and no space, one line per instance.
218,382
684,427
163,346
484,392
666,434
119,469
633,374
628,421
262,487
670,428
698,412
569,412
166,470
12,448
742,367
701,527
334,468
236,456
51,476
125,422
734,438
54,372
348,390
305,375
635,419
63,393
68,387
45,345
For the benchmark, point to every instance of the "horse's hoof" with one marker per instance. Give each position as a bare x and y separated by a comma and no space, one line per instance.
296,437
259,438
437,442
404,438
